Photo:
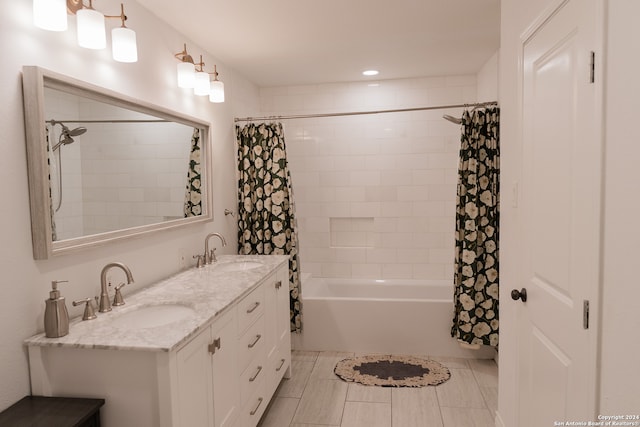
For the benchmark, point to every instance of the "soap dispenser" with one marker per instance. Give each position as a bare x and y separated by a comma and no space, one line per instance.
56,316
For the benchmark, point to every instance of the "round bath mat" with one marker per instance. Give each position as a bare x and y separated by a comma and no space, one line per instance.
392,371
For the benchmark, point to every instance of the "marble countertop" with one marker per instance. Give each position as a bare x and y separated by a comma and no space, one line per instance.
208,291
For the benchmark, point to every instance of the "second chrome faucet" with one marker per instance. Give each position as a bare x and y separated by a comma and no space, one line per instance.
105,304
210,255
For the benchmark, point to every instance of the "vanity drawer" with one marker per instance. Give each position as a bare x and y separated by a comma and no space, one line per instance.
253,377
250,308
277,365
251,344
253,409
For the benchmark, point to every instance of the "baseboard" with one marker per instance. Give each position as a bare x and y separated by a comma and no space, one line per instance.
498,420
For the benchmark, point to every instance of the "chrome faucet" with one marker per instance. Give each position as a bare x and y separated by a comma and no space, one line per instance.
210,256
105,304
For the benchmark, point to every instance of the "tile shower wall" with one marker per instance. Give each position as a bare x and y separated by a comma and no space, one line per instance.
375,194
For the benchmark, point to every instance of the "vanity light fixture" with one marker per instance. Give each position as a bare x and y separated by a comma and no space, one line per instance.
91,28
201,85
52,15
186,69
191,75
217,88
123,41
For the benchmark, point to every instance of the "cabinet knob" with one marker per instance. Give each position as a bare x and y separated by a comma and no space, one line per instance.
278,284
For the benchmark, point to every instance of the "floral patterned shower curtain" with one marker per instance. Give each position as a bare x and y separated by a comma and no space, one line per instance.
266,220
477,214
193,193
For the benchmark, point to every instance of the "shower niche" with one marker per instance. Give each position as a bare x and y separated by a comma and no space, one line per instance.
104,167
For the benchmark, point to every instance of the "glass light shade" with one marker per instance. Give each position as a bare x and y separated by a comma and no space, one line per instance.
91,29
217,91
50,14
186,75
123,45
202,86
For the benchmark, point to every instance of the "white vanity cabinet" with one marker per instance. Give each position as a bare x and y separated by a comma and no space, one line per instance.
224,375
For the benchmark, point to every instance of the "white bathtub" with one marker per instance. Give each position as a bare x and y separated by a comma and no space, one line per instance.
376,316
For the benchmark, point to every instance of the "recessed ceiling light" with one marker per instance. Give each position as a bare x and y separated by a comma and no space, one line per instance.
370,73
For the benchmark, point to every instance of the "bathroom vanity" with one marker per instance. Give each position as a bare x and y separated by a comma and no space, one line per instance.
206,347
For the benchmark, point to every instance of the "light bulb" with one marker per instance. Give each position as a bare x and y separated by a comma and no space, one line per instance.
217,91
91,29
123,45
186,75
202,86
50,14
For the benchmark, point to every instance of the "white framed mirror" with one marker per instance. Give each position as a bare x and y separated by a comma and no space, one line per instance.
104,167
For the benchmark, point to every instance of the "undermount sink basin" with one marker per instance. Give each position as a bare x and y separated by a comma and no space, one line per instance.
237,266
152,316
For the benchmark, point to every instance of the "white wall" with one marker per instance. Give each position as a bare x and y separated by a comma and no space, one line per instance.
375,194
487,78
620,328
24,283
619,323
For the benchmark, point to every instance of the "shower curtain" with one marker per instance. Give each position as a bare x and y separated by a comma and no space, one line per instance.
477,214
266,220
193,193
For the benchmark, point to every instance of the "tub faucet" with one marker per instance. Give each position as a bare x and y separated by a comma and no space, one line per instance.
105,304
210,255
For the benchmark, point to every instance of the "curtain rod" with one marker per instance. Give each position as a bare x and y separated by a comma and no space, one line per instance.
107,121
356,113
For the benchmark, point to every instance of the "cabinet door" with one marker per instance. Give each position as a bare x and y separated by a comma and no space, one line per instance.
226,389
270,314
279,356
282,307
194,387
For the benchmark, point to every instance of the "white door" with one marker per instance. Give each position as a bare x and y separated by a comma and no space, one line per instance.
560,201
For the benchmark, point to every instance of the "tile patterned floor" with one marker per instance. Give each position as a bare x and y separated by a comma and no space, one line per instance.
316,397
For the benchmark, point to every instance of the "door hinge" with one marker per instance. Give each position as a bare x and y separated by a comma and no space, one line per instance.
214,346
592,68
585,314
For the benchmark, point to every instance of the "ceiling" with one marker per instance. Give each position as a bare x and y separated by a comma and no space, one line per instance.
293,42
